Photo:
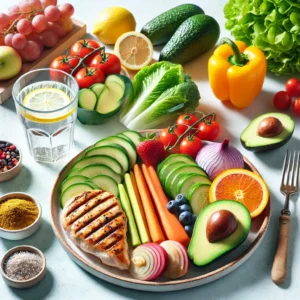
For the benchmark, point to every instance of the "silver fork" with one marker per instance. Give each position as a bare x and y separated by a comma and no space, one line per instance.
289,186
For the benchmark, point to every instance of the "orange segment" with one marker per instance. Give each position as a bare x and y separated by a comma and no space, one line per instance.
243,186
134,49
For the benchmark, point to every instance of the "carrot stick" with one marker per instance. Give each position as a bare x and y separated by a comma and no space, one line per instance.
173,230
155,230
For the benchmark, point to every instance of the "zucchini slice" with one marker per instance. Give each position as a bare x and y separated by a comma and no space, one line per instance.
134,136
198,196
72,191
87,99
72,180
106,183
97,88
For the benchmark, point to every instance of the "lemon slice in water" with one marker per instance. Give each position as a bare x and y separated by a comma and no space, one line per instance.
46,100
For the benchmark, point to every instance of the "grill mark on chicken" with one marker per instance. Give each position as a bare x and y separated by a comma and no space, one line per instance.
96,213
98,225
88,206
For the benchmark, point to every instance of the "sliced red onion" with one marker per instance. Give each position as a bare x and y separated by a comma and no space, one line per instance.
148,261
178,261
215,158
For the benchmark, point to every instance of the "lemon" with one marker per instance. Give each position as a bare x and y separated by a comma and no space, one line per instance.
47,101
134,49
112,22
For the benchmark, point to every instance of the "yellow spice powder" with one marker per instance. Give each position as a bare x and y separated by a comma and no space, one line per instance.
17,214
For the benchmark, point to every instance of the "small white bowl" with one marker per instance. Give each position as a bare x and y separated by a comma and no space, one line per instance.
25,283
27,231
10,174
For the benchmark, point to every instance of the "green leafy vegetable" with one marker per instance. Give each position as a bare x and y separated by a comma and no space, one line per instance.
162,91
271,25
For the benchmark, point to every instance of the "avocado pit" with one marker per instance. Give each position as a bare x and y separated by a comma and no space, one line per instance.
220,225
269,127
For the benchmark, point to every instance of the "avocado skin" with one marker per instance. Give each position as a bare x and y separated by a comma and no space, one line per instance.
267,147
160,29
194,36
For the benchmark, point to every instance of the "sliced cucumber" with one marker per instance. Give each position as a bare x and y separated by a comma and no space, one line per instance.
98,88
71,180
186,182
106,183
87,99
73,172
170,180
129,146
198,196
167,168
72,191
116,151
98,169
99,159
110,99
176,157
134,136
115,78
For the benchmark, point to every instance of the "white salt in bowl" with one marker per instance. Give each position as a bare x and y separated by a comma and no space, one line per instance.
27,231
24,283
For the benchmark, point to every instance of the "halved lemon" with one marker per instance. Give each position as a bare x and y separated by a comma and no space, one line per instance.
134,49
243,186
45,100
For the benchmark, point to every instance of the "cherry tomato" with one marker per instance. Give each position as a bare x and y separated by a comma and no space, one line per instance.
282,100
86,77
83,47
208,131
168,137
296,107
64,63
184,121
292,87
190,145
108,64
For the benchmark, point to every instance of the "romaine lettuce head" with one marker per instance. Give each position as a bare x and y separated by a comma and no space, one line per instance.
182,98
271,25
161,92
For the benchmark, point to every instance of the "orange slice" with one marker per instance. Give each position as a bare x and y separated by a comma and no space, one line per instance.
243,186
134,49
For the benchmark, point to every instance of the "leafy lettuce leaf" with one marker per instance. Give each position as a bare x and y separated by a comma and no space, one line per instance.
271,25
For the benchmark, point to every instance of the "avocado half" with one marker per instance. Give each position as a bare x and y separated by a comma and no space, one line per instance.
255,143
200,250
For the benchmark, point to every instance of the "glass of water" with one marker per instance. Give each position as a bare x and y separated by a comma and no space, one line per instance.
46,102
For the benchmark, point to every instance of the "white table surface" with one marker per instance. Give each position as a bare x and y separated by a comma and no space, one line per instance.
65,280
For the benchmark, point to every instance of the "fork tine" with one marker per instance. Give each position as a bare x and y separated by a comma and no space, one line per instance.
292,183
298,169
285,165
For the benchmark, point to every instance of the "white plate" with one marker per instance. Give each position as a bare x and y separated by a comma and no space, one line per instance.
196,276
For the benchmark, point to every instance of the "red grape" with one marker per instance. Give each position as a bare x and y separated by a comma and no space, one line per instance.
59,30
36,37
19,41
46,3
31,52
49,38
66,10
13,12
24,26
8,39
39,23
4,20
24,6
66,23
36,4
52,13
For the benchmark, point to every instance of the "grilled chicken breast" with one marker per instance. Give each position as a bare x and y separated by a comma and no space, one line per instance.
96,223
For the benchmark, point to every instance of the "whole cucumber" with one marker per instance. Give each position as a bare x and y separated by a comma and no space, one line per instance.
160,29
194,36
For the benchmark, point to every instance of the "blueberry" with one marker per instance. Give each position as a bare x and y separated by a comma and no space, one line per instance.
194,218
180,199
189,229
186,218
172,206
184,207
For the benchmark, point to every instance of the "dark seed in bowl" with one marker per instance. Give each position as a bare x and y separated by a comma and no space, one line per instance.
9,156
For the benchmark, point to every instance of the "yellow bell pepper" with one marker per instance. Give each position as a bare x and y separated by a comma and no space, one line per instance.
237,72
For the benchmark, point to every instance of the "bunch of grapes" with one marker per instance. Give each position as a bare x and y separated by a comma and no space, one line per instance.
34,24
